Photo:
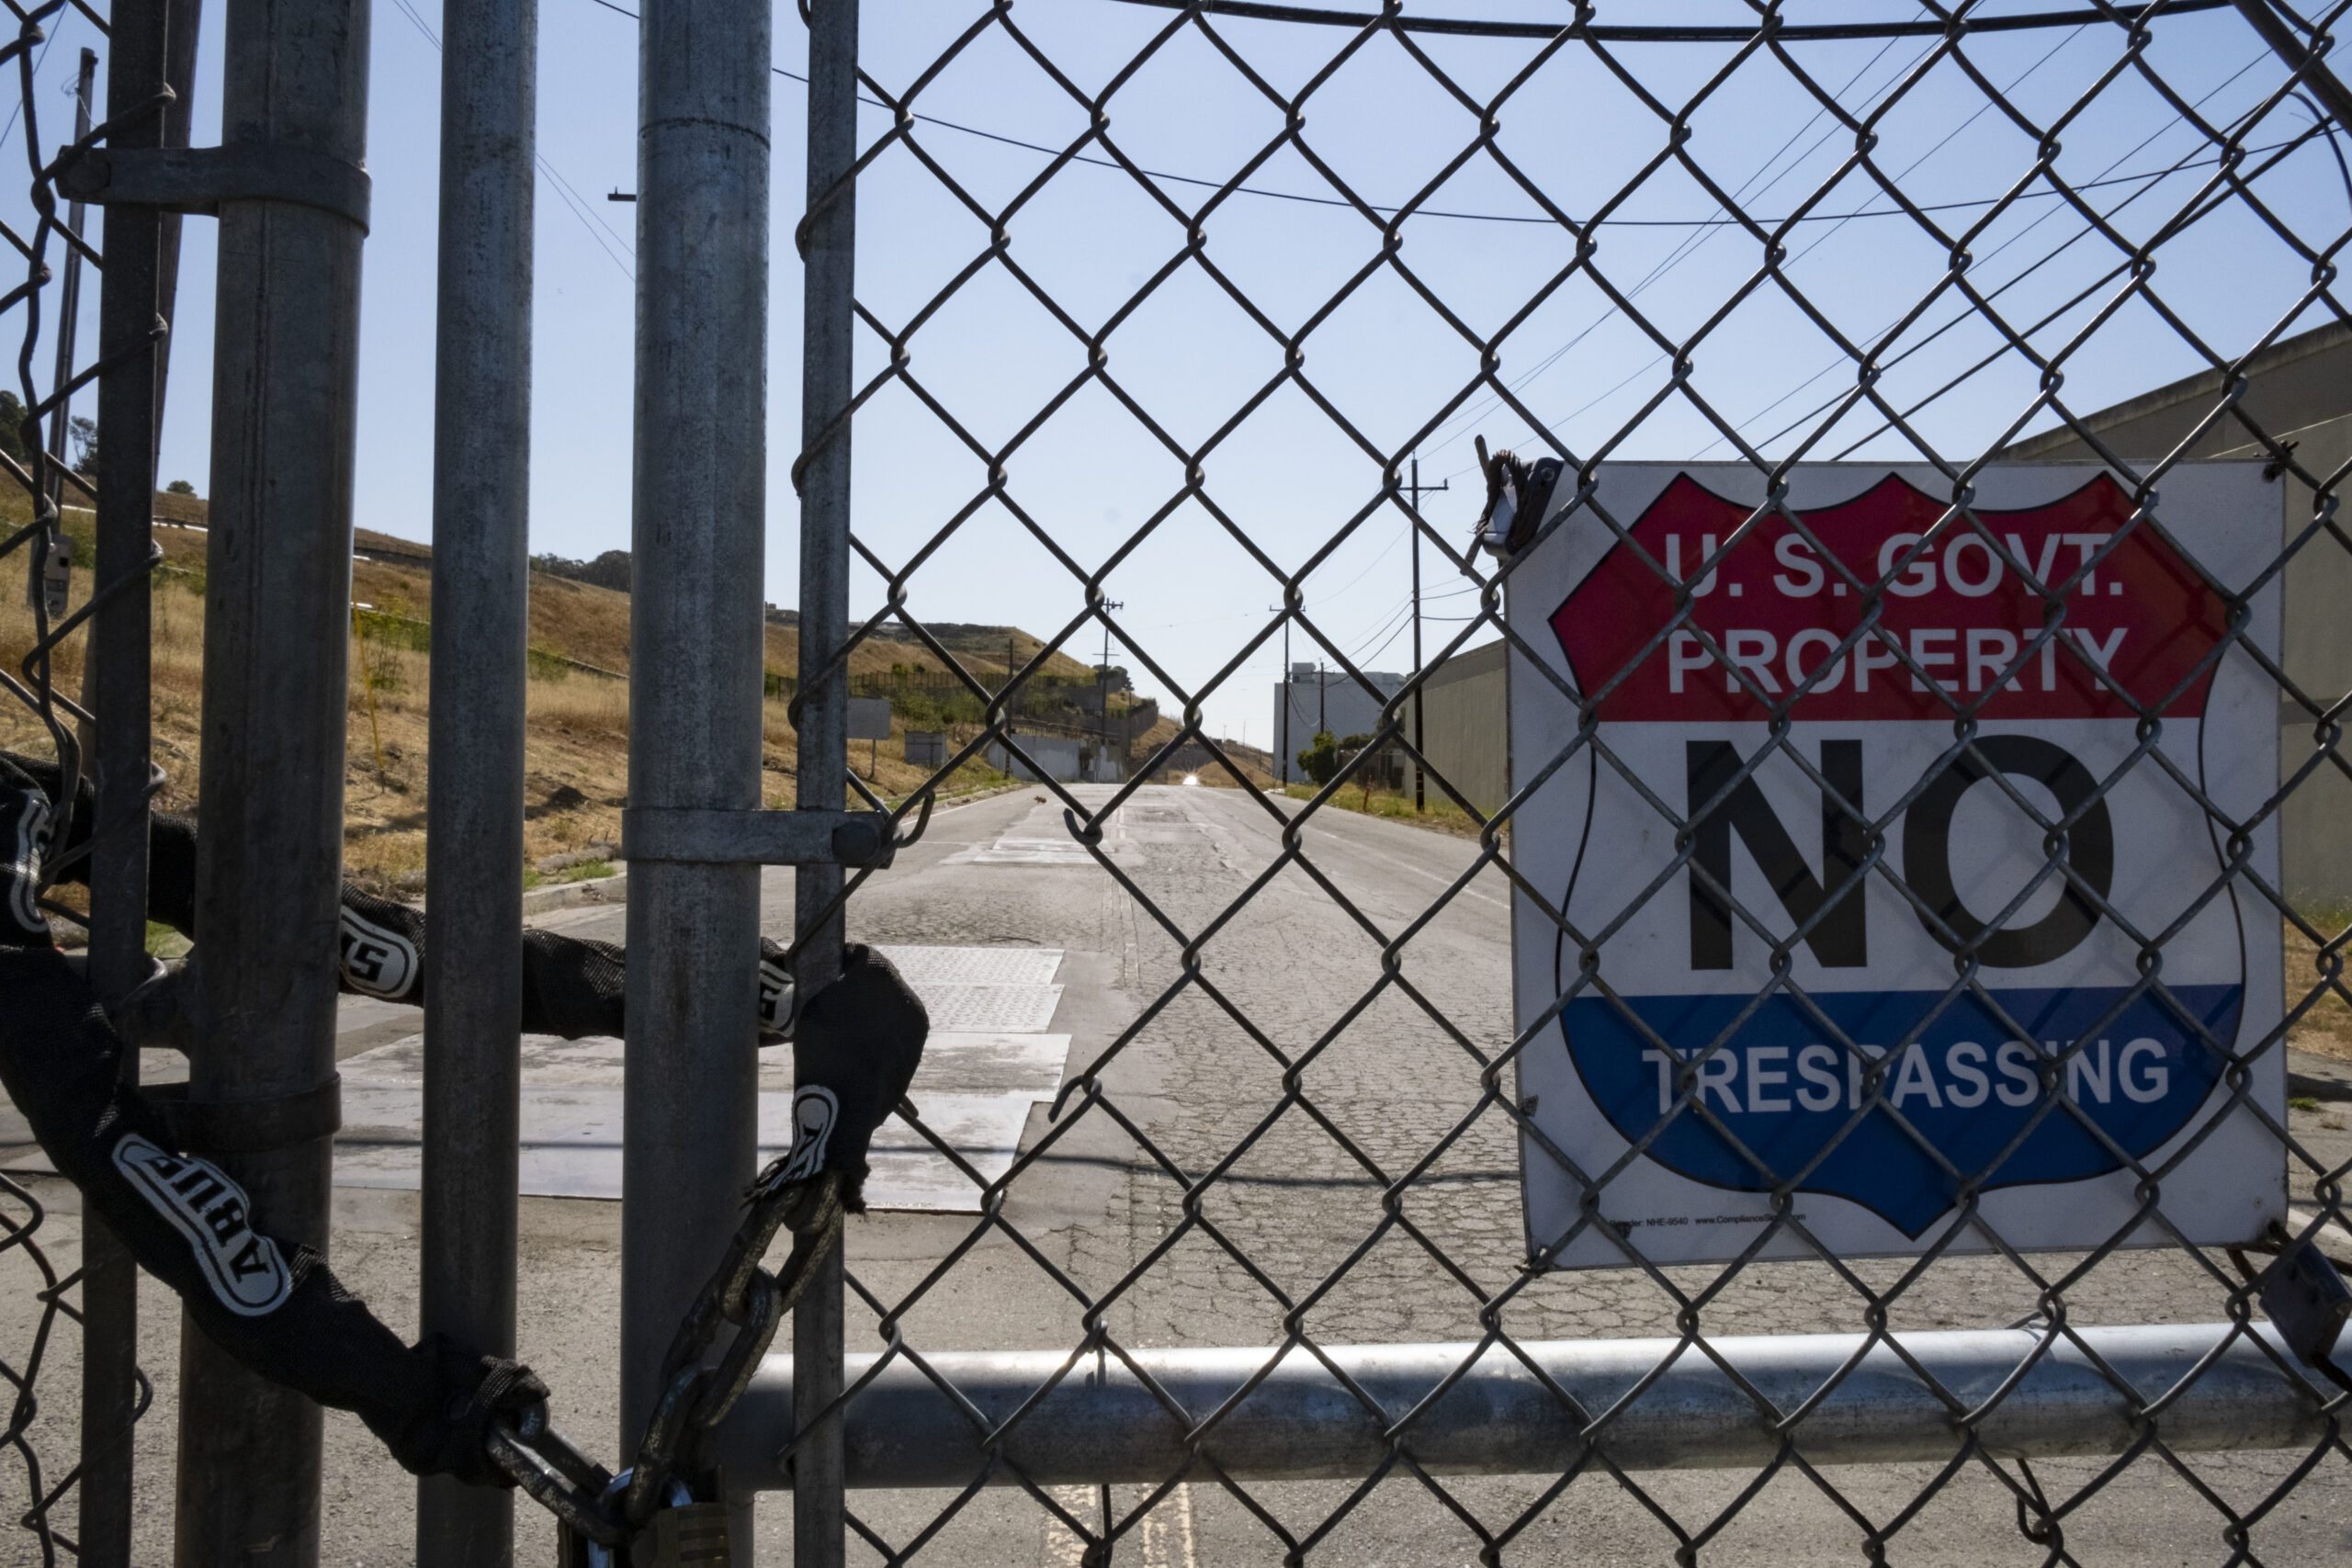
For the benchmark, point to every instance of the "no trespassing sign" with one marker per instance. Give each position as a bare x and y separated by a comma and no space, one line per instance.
1680,1067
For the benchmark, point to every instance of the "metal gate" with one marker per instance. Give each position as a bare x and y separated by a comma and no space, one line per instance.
1264,1284
1301,1177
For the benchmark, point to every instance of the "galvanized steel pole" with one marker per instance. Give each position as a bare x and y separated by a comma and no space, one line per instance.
1102,1425
130,408
697,637
473,913
278,610
829,253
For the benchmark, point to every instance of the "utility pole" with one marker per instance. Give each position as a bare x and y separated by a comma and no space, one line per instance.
1102,688
69,299
1282,738
1420,777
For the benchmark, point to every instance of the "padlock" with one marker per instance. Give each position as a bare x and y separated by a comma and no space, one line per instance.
691,1535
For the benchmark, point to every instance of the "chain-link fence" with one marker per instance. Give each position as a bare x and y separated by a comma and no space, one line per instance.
1156,304
69,1432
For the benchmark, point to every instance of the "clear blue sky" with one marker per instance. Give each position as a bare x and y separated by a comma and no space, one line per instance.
1191,357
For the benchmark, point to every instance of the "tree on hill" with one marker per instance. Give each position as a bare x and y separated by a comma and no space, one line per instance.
12,426
180,487
610,569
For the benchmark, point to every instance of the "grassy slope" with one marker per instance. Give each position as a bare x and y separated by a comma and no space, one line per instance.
575,744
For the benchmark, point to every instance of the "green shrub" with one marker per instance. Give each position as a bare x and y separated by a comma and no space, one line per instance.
1320,759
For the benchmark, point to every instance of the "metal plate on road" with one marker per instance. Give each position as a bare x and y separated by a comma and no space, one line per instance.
1879,1075
920,966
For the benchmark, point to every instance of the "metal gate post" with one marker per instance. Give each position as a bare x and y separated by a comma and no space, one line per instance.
129,399
697,634
473,949
829,251
277,634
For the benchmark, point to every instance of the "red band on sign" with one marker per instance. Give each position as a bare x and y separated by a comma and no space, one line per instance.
1777,610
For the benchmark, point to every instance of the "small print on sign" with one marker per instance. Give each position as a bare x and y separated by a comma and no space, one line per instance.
1781,1069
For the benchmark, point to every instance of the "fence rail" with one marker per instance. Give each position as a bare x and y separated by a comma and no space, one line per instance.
1485,1410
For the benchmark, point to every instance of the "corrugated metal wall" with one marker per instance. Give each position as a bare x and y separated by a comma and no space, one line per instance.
2301,389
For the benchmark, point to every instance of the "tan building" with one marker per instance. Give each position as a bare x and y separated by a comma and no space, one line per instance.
1465,718
2301,391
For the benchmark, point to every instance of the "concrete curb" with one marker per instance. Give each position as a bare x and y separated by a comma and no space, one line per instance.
611,889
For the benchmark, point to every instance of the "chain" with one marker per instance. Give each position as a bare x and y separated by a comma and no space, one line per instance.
610,1511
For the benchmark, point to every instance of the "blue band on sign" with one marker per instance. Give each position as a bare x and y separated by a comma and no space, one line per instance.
1784,1088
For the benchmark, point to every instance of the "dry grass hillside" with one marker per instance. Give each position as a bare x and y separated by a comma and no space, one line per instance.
577,739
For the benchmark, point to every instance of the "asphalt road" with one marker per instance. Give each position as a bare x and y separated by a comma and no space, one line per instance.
1238,990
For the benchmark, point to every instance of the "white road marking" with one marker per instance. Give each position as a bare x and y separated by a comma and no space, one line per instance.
1031,841
1164,1536
989,1059
1021,1009
1358,846
974,966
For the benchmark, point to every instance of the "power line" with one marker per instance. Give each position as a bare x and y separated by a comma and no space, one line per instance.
2179,222
1967,312
2147,180
563,189
1945,141
1383,556
2282,149
1813,33
1541,218
1689,244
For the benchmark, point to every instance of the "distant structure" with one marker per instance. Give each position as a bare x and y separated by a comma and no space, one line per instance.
1314,698
1466,722
2300,390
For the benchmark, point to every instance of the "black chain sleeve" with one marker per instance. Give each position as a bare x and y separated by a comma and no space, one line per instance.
571,987
277,1307
171,846
853,1055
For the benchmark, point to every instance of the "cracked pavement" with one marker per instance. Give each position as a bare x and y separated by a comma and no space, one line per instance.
1290,974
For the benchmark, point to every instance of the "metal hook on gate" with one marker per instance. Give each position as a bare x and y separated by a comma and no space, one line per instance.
922,820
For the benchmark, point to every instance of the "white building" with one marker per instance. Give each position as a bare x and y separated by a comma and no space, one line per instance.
1314,698
1057,754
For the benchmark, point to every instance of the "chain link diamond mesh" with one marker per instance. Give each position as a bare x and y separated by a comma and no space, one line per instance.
1321,1136
42,636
